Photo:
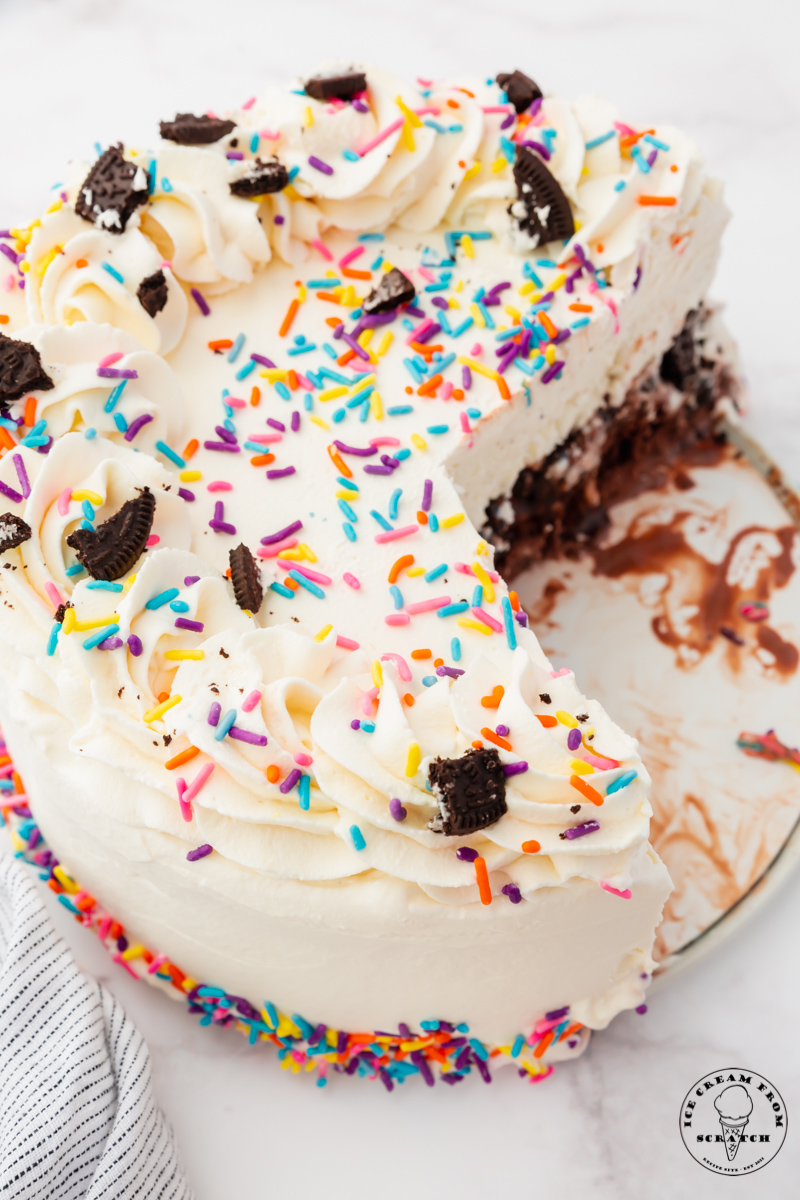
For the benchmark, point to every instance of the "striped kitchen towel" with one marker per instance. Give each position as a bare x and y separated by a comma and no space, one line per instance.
78,1119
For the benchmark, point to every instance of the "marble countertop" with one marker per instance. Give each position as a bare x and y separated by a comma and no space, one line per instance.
606,1126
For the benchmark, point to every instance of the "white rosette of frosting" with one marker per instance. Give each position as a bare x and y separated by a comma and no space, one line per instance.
293,126
607,199
484,193
458,132
80,273
375,173
182,636
485,196
363,182
108,692
35,574
597,118
293,223
568,149
362,772
273,679
128,678
372,190
12,294
135,385
211,237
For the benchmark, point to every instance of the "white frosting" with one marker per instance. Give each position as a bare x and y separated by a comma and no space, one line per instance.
211,237
112,472
280,853
69,280
452,175
82,399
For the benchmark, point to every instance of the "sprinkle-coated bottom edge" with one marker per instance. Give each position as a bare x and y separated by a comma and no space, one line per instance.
440,1049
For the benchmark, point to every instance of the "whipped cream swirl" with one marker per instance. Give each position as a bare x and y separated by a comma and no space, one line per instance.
79,273
49,493
210,237
135,385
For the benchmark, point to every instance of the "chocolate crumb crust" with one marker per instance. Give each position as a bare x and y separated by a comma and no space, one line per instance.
115,546
112,191
152,293
340,87
547,216
263,179
561,511
189,130
21,370
246,579
13,531
470,790
520,89
394,289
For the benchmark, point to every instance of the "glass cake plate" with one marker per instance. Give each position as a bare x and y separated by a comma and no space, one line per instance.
685,624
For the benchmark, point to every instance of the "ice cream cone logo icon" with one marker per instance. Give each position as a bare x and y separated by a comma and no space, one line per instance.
733,1121
734,1106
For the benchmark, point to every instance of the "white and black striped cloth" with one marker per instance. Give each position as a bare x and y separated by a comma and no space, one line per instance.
78,1119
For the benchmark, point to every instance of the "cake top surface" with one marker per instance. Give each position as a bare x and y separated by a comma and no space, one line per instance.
304,344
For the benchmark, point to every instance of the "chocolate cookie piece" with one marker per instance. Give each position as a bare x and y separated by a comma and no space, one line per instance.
246,579
521,90
342,86
683,362
189,130
541,209
113,548
61,611
21,370
471,791
13,531
112,191
153,293
393,290
262,179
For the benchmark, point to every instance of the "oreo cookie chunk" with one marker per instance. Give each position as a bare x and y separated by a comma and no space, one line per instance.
113,548
153,293
13,531
521,90
471,792
189,130
262,179
393,290
61,611
343,86
246,579
112,191
541,208
21,370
